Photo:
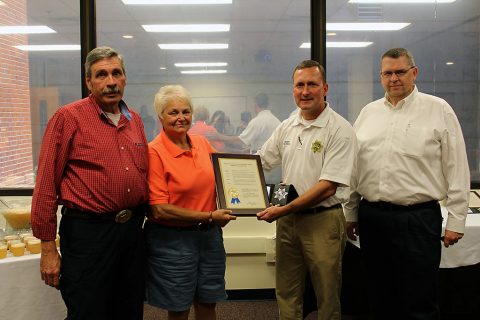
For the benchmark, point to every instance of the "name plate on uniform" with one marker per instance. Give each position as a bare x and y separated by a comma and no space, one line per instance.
283,194
240,183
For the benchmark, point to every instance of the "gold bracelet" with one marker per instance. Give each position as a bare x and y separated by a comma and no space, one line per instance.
210,219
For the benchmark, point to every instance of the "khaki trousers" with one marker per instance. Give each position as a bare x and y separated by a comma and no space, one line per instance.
311,243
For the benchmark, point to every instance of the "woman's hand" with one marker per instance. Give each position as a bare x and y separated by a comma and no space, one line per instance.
222,217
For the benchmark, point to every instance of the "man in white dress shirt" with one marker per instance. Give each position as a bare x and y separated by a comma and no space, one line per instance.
316,151
260,128
411,155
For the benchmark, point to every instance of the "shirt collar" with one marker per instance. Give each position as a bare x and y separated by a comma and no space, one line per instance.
123,108
320,121
264,111
402,102
171,147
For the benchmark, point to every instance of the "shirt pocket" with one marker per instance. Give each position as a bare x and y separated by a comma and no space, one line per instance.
412,141
140,156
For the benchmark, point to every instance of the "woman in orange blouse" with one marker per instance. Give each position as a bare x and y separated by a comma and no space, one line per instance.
185,253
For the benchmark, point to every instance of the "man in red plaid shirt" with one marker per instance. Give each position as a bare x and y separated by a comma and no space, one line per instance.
93,161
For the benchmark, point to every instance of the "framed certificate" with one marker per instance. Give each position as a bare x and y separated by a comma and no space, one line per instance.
240,183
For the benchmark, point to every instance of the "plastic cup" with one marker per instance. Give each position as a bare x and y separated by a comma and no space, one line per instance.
3,251
25,235
34,246
11,237
11,242
17,249
27,241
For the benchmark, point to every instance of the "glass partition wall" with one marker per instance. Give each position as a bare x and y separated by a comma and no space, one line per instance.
40,71
254,46
443,36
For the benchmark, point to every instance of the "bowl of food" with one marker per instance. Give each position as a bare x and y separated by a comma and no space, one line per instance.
17,213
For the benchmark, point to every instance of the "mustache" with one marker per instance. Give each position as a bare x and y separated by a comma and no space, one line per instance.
111,90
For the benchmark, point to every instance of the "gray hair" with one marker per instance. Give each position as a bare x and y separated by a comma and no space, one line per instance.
169,93
305,64
396,53
99,54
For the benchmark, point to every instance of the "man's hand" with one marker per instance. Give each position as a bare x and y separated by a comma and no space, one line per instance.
451,237
50,264
271,214
352,230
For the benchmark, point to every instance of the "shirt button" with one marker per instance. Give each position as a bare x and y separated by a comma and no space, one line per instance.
128,190
122,148
126,168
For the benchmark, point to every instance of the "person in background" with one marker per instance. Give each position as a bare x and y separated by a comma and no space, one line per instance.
245,118
185,253
258,130
411,155
221,122
148,123
93,161
200,127
316,150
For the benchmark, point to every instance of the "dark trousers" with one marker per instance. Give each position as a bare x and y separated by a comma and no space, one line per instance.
102,271
402,249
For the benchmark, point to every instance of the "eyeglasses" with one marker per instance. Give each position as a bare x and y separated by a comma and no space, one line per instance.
398,73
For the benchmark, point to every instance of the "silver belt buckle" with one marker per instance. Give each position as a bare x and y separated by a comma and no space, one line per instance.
123,216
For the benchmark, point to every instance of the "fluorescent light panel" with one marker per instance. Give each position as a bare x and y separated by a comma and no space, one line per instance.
192,46
200,64
53,47
340,44
176,2
186,27
203,71
401,1
25,29
366,26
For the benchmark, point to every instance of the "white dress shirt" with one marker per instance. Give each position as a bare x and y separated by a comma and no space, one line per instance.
258,130
310,151
411,153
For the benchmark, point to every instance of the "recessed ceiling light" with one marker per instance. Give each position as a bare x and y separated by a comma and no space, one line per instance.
200,64
348,44
203,71
53,47
163,68
127,36
192,46
25,29
186,27
366,26
331,34
177,2
401,1
449,63
340,44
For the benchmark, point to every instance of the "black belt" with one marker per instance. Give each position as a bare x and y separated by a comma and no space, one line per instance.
121,216
196,227
319,209
392,206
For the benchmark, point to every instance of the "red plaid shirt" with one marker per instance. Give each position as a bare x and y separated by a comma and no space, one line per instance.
88,163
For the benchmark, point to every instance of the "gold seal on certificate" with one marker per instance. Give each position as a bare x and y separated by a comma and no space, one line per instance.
240,183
